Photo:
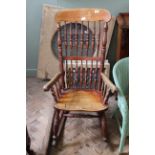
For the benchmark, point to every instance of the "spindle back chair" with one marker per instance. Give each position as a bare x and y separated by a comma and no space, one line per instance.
81,84
82,50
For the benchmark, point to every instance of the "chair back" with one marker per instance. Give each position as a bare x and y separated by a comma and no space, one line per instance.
121,75
82,46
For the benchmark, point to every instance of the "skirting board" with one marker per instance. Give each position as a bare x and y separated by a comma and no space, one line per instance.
31,72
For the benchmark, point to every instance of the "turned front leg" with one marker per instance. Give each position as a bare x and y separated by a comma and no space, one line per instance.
55,127
104,129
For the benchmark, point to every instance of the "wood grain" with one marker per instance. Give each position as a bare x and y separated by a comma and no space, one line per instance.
83,14
81,100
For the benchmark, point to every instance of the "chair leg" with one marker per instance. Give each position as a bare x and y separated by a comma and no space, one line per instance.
123,136
122,142
62,121
104,129
55,124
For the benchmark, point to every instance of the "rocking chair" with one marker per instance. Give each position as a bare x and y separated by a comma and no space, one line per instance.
81,85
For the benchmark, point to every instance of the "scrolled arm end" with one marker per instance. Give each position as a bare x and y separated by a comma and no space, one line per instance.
49,84
45,88
111,86
108,88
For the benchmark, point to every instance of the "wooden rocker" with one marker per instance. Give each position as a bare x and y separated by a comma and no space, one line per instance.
81,84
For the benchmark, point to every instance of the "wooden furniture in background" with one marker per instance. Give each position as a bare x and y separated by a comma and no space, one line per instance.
122,36
81,85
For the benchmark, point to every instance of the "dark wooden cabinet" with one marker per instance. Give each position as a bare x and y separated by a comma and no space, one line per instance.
122,36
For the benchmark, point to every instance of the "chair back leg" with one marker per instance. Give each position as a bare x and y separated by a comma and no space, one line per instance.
124,130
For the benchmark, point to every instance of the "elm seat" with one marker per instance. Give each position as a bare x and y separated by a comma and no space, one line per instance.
81,100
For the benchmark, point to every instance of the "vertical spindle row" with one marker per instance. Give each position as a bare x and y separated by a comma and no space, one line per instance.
84,73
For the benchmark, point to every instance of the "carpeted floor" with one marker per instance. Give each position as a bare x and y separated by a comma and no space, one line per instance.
81,136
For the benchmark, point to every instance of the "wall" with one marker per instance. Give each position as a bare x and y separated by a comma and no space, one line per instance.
33,23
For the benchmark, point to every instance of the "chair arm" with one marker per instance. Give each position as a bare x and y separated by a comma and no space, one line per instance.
49,84
106,80
107,88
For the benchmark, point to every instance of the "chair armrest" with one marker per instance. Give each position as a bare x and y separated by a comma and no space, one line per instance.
111,86
107,88
49,84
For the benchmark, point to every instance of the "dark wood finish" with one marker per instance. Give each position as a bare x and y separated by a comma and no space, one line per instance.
57,125
80,115
122,36
87,88
104,127
65,38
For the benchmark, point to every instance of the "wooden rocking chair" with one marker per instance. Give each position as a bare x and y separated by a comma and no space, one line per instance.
81,84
